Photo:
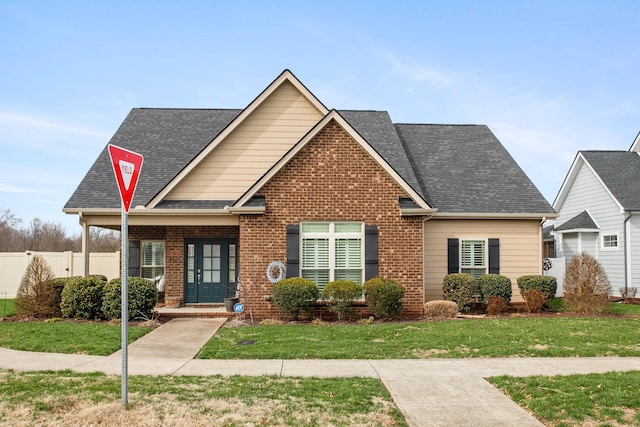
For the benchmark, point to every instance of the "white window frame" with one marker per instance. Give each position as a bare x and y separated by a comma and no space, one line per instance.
332,236
610,248
155,267
485,257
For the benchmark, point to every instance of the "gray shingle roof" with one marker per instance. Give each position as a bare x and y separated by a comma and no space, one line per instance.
378,130
620,172
581,221
167,138
456,168
464,168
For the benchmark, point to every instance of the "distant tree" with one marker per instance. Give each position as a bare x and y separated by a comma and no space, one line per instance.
9,235
103,240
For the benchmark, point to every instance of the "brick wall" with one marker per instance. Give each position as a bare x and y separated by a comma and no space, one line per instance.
331,179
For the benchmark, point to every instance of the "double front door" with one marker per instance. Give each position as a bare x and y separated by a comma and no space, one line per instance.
210,270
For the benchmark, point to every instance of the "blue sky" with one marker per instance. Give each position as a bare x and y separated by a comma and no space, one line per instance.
549,78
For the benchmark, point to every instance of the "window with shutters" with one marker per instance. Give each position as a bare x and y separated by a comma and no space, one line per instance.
473,257
332,251
152,259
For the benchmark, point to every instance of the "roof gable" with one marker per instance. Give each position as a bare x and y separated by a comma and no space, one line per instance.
286,77
344,124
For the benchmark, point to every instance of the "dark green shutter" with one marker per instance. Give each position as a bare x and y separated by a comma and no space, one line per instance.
133,260
370,252
293,250
453,256
494,256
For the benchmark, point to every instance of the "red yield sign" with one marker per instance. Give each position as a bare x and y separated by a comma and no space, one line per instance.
126,166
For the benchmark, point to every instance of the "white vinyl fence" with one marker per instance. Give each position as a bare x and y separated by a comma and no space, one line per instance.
63,264
558,267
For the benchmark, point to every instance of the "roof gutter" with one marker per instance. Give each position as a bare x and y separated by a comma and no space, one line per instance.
493,215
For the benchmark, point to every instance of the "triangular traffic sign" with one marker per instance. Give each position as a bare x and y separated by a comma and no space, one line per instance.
126,167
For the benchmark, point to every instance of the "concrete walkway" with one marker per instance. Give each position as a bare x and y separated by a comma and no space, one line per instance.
429,392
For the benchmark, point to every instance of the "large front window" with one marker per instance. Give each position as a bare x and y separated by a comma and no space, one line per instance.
332,251
152,259
473,257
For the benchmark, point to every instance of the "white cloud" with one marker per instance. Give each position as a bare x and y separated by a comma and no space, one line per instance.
23,120
415,73
8,188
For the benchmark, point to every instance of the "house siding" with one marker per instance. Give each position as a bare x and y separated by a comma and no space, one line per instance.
634,241
332,178
588,193
520,249
251,149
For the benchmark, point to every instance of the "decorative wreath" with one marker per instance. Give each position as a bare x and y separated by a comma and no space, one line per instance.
271,271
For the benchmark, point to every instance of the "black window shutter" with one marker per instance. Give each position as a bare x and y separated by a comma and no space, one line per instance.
133,261
293,250
453,256
494,256
370,251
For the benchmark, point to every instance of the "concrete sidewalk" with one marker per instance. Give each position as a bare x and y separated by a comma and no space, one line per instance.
429,392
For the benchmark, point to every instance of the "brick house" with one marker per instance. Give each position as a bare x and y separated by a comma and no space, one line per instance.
331,194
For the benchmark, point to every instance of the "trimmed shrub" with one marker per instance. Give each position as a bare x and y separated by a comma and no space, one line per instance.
459,288
545,284
142,298
495,305
82,298
340,295
36,293
440,309
534,299
383,296
295,294
586,286
494,285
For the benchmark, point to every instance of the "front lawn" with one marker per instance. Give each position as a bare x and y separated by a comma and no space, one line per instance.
491,337
611,399
66,336
67,398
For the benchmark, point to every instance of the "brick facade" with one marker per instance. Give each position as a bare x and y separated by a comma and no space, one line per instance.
331,179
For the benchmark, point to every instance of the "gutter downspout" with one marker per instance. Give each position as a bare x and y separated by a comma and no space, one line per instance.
541,247
627,250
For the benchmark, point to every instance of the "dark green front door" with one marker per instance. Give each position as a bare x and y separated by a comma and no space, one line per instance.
210,270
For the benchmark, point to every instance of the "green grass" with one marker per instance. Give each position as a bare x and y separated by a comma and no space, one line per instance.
496,337
593,399
96,338
46,397
7,307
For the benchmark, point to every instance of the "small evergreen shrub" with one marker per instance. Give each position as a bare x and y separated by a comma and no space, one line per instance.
82,298
340,295
142,298
383,296
545,284
534,299
586,286
495,305
295,294
494,285
440,309
459,288
36,293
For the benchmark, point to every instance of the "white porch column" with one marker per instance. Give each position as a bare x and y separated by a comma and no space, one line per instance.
85,246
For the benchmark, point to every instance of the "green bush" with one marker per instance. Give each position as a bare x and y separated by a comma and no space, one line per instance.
383,296
340,295
295,294
142,298
545,284
82,297
459,288
494,285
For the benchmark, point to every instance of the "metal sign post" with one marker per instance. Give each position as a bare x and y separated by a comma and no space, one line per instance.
126,167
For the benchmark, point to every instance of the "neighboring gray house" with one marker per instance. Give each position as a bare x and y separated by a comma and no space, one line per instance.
599,212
